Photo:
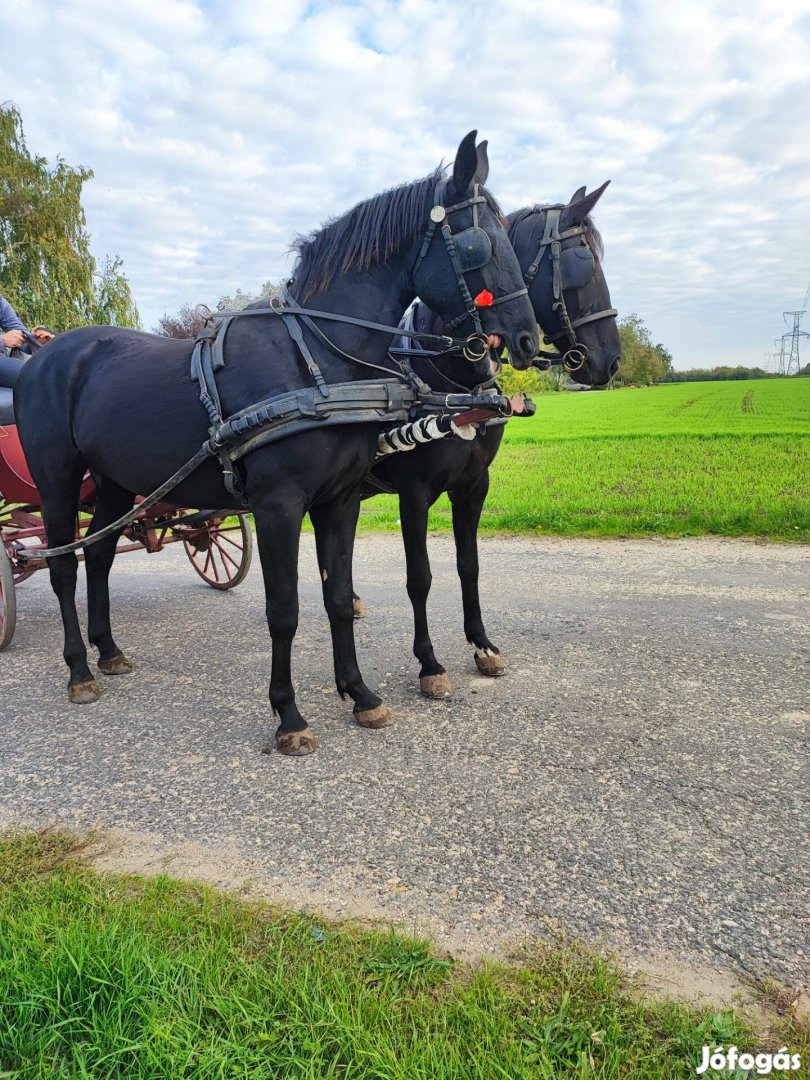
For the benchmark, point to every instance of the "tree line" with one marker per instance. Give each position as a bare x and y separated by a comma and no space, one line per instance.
644,363
722,373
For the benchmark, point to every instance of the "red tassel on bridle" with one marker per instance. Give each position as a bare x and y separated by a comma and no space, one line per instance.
484,299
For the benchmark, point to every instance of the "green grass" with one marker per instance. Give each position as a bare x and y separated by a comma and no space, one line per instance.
122,977
731,458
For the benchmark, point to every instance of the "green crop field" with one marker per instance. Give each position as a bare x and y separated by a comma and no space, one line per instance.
682,459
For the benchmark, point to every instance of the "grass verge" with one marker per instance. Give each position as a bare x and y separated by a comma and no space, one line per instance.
115,976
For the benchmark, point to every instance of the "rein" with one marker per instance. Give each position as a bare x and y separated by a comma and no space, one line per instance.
288,305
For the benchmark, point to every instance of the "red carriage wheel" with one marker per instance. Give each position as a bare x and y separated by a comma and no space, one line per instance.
221,551
8,598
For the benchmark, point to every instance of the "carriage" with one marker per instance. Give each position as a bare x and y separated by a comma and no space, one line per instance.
218,543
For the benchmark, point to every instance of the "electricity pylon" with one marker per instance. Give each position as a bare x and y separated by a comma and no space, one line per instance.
792,365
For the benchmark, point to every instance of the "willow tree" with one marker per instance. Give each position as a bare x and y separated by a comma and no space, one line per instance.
47,271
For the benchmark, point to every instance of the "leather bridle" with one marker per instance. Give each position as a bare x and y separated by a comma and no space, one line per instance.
469,249
577,353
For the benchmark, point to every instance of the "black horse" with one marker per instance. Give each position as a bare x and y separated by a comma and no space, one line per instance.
580,300
122,404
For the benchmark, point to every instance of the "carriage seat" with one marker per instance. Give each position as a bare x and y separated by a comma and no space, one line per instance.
6,407
10,368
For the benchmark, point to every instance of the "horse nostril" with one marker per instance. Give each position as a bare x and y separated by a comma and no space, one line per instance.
527,344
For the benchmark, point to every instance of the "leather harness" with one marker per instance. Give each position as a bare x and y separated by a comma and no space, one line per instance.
380,401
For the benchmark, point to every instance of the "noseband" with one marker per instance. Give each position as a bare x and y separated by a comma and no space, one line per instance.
577,353
470,249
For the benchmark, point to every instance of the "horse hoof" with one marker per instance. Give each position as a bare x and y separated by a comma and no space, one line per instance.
492,664
436,686
379,717
116,665
84,693
296,743
359,608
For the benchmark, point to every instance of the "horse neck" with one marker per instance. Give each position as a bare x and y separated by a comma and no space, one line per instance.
378,294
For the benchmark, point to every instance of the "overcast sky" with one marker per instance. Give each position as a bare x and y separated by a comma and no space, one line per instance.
218,130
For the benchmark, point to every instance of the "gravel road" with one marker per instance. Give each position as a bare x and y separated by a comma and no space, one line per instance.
636,778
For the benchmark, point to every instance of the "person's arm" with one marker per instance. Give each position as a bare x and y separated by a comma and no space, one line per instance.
9,319
12,327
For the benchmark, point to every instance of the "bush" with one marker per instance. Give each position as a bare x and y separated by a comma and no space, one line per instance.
512,381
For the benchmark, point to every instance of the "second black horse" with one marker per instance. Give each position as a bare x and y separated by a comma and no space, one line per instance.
571,302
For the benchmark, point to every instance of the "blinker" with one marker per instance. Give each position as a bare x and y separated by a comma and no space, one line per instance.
576,267
473,249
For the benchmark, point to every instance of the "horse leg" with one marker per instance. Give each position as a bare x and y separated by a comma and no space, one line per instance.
60,500
278,528
434,681
467,506
335,524
113,502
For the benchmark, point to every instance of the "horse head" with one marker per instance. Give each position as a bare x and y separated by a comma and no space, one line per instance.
483,295
560,251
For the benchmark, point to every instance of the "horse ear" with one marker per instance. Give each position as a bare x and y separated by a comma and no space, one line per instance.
578,194
465,164
576,212
482,169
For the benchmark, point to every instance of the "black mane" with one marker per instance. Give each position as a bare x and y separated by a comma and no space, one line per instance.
372,231
592,234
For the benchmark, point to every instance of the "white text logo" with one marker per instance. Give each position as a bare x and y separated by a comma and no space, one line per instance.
720,1060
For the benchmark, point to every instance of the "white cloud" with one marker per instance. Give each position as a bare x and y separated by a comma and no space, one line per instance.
218,130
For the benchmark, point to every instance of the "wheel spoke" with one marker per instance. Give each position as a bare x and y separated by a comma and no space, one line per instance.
208,559
212,549
238,544
224,554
